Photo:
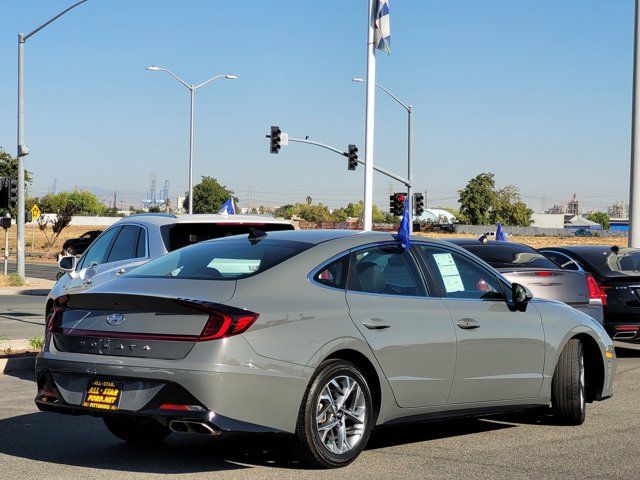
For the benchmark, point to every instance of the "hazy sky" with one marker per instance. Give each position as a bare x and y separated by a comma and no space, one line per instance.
536,91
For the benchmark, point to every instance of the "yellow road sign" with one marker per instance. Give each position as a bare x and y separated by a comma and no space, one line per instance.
35,212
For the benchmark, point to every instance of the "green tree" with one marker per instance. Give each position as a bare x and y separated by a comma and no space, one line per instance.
509,209
477,198
77,202
208,196
9,167
600,217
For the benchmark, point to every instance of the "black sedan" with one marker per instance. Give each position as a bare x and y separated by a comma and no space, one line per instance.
617,272
77,246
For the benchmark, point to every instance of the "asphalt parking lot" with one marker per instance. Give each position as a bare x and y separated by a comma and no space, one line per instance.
35,444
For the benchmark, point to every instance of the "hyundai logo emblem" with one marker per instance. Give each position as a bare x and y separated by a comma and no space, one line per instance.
115,318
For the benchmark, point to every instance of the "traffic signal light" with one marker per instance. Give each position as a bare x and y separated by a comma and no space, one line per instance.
418,202
352,157
396,203
276,139
13,192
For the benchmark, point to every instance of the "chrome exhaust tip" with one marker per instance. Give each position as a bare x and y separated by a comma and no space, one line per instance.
625,335
192,426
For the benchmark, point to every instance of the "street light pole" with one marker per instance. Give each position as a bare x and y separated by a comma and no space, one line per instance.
22,148
191,128
634,190
192,90
409,110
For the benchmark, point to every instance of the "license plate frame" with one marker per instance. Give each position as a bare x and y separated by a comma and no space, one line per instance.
103,395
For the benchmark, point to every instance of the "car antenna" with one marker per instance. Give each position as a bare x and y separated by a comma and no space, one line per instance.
256,235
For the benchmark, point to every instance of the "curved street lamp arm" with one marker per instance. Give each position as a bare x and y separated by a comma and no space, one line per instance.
392,96
24,37
176,77
206,82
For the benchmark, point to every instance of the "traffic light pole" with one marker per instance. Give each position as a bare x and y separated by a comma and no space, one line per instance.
389,174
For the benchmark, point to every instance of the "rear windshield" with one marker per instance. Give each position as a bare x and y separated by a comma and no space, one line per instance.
180,235
624,263
223,260
510,256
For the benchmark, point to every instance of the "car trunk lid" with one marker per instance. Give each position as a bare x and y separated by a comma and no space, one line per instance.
561,285
164,319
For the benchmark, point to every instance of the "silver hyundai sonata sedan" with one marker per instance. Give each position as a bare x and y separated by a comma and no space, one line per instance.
319,334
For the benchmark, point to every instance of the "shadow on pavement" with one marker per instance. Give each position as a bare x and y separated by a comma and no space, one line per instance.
86,442
390,436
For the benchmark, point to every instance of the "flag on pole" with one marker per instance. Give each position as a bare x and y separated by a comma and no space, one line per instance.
403,230
382,27
501,236
227,208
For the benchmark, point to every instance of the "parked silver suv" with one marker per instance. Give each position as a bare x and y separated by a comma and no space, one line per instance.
136,239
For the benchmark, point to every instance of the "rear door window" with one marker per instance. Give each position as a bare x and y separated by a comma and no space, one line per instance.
385,270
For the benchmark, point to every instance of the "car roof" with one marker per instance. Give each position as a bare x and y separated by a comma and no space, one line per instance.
171,219
474,242
581,248
307,236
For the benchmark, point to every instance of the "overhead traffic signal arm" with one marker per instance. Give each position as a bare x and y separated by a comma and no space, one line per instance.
352,154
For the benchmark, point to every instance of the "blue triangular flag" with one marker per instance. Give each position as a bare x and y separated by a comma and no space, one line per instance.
501,236
227,208
403,230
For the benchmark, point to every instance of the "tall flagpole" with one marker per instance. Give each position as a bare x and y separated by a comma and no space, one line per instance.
634,190
370,120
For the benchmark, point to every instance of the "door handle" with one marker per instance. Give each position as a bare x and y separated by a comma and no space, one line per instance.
121,271
376,324
467,324
86,281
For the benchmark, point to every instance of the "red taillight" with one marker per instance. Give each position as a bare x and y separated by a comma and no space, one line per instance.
627,328
596,292
222,325
181,408
543,274
58,305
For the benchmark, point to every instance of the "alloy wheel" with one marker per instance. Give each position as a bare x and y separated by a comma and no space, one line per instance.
341,414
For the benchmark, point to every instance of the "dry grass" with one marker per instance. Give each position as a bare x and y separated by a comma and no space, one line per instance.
39,246
539,242
11,280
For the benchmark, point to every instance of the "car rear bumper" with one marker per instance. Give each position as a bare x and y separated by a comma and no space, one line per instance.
594,310
237,390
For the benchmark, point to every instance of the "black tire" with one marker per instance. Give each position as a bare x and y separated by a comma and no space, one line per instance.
136,430
568,387
310,444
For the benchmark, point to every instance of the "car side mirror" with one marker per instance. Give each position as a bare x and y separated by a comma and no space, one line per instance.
520,297
67,263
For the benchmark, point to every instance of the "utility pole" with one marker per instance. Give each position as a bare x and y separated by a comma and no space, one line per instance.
634,188
369,119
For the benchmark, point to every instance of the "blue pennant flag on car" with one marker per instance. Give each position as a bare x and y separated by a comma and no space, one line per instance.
227,208
382,27
403,230
501,236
